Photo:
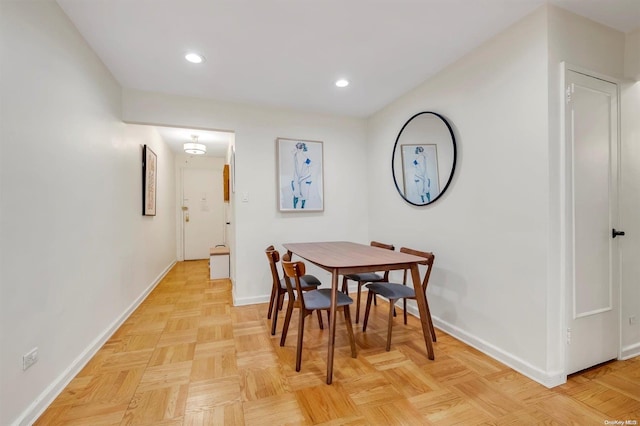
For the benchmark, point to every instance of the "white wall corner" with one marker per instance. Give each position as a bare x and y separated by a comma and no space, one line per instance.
632,55
243,301
549,379
630,351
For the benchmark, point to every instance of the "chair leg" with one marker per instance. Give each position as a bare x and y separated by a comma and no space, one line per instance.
274,316
391,305
300,335
370,296
345,286
320,320
358,302
287,320
272,299
347,320
404,307
433,331
280,301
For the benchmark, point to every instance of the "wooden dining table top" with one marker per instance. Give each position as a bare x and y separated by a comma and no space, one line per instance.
353,256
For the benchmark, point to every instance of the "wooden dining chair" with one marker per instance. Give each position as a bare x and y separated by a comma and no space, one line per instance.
366,277
309,301
279,288
394,291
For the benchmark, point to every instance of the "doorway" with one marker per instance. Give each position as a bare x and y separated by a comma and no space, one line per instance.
593,288
203,214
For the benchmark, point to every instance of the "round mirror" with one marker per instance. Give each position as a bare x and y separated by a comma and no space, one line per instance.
424,158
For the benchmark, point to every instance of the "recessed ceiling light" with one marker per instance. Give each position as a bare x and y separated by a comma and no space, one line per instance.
194,58
342,83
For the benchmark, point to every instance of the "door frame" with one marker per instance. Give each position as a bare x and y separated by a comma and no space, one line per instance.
566,216
219,226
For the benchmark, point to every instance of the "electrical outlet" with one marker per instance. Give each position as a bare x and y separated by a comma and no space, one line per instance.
632,320
29,359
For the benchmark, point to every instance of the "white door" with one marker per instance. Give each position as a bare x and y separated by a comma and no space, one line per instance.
202,212
591,123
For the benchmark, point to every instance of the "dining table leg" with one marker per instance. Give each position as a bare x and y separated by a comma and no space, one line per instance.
422,309
332,325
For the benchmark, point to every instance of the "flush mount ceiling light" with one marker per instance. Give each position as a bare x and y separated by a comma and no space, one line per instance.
194,147
342,83
194,58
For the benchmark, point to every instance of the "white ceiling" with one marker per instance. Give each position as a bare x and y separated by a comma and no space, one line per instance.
288,53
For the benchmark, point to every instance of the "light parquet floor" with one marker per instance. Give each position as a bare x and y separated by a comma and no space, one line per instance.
186,356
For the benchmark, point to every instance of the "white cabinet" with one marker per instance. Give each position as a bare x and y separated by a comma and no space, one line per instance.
218,263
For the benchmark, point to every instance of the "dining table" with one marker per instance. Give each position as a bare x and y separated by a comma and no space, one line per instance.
345,257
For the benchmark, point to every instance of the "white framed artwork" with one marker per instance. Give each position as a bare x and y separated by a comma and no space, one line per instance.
300,175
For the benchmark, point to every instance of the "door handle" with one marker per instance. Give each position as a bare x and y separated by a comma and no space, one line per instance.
186,219
615,233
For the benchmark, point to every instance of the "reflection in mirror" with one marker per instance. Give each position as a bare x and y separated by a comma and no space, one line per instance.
424,158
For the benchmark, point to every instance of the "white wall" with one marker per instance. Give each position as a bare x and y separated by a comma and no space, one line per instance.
630,220
630,196
632,55
489,231
258,223
76,252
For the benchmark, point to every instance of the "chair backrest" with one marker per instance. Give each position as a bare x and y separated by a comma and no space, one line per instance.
293,270
286,258
428,261
274,257
382,245
386,247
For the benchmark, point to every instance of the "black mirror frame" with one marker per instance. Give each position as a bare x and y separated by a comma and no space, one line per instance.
453,166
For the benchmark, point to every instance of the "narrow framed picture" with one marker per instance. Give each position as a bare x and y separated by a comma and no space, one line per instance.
420,171
149,181
300,175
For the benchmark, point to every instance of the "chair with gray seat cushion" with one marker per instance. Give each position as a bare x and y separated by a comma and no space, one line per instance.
309,301
366,277
279,288
394,291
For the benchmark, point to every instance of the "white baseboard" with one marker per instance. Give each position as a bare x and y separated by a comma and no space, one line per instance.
242,301
630,351
40,404
548,379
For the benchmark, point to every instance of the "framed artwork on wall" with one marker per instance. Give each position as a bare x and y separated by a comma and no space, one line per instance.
300,175
149,181
420,172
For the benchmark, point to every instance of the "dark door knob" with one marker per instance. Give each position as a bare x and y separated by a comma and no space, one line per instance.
615,233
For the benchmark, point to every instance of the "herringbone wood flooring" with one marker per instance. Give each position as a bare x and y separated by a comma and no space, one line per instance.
188,357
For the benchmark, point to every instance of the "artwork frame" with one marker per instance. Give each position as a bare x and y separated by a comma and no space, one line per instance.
300,175
421,179
149,181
